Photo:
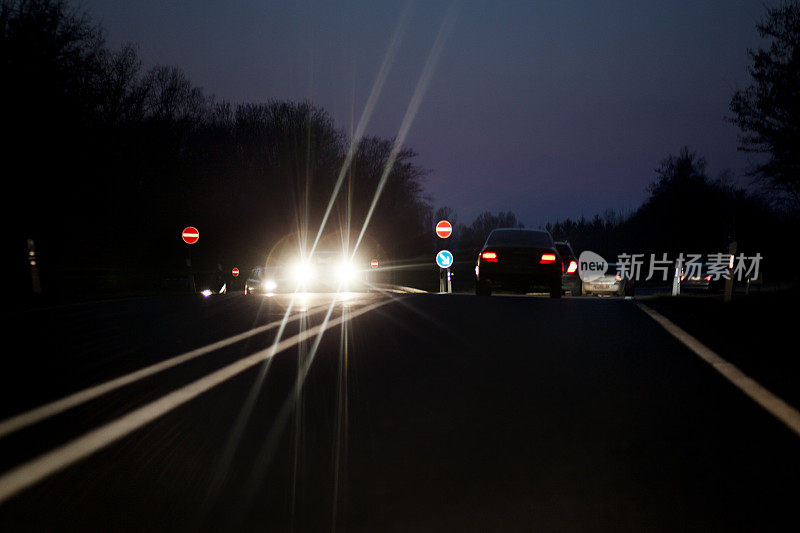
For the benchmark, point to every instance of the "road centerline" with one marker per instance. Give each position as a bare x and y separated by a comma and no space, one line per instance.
37,414
23,476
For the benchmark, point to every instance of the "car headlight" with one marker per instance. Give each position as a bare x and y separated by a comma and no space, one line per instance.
206,293
346,272
302,272
269,285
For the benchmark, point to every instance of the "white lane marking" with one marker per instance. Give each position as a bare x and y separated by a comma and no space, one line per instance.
763,397
400,289
15,423
18,479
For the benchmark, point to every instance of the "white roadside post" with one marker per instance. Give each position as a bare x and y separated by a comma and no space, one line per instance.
36,284
676,279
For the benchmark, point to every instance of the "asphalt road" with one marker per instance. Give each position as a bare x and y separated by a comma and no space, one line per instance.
412,412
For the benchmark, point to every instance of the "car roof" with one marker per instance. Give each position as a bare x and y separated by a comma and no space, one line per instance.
521,229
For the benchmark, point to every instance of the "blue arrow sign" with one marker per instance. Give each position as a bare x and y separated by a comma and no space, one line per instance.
444,259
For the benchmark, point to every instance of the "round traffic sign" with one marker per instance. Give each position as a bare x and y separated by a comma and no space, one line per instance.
190,235
235,272
444,259
444,229
374,263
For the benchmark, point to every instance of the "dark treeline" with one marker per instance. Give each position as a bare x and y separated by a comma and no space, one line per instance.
108,162
686,211
105,162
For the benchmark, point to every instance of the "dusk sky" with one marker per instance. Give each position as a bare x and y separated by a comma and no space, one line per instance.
550,109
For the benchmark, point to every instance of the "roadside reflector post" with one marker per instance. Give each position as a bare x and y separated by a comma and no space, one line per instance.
676,279
729,282
36,283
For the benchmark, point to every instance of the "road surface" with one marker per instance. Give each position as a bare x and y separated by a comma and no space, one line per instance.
397,412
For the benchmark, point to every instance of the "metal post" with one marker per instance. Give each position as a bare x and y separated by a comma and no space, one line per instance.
449,283
189,274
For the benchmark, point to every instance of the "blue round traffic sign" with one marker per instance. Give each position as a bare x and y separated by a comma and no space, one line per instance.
444,259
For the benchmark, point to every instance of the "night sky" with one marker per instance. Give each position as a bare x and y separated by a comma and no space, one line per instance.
550,109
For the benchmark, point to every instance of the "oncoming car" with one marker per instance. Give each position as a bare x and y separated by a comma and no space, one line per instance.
324,271
263,280
519,260
612,283
701,279
329,271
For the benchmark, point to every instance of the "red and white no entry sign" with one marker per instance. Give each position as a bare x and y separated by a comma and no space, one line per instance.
235,272
190,235
444,229
374,263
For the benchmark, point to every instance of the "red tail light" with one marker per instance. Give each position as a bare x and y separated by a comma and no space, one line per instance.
489,257
618,277
573,267
708,278
547,259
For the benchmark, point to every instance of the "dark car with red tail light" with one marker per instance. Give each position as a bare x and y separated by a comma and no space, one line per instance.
519,260
570,279
700,277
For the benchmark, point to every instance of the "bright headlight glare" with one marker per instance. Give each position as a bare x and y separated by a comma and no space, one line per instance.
346,272
270,285
302,272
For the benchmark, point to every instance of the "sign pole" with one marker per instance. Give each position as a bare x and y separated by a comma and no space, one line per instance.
445,259
190,236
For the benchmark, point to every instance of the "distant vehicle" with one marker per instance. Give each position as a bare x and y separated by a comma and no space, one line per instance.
700,280
570,278
331,271
263,280
519,260
611,283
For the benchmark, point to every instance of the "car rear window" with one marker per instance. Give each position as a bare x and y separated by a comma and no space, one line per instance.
564,250
524,238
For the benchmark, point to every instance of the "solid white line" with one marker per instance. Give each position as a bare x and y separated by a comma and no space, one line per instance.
763,397
42,412
34,471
